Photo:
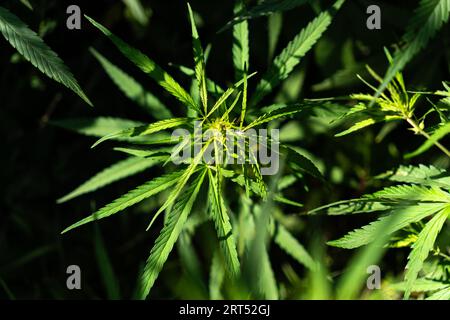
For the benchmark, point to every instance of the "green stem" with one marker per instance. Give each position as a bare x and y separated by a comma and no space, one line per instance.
441,254
244,100
418,129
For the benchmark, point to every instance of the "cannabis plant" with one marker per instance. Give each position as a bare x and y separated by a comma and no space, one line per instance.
416,208
424,193
242,226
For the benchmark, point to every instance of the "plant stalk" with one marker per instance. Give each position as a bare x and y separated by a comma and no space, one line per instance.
418,129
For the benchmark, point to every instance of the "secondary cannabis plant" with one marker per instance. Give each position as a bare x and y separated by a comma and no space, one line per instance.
210,109
424,194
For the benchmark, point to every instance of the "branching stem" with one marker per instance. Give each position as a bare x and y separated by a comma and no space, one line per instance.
418,129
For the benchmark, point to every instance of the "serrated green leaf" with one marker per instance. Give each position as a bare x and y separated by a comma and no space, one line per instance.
289,243
259,272
144,152
117,171
408,193
219,214
386,199
428,18
211,86
403,215
199,61
95,127
265,8
188,172
355,276
142,192
133,90
240,47
299,162
421,285
227,93
422,247
278,112
366,123
421,174
169,235
34,50
145,129
149,67
443,294
354,206
266,277
285,62
357,126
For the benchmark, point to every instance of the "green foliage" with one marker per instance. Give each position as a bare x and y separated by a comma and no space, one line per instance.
144,129
403,205
280,111
96,127
240,48
289,244
149,67
242,213
285,62
33,48
443,294
142,192
424,175
216,277
133,90
427,20
422,247
199,61
265,8
105,267
218,114
219,215
435,137
118,171
169,235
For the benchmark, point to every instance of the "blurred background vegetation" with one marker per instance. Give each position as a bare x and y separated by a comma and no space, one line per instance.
41,162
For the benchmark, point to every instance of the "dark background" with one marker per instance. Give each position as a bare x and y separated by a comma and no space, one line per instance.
40,162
